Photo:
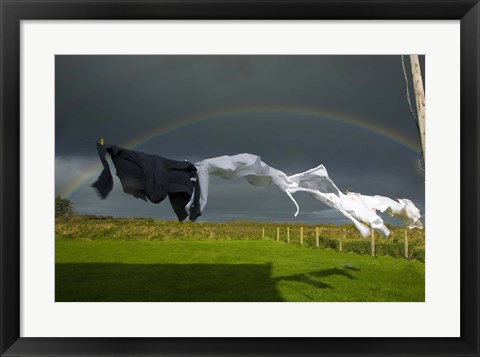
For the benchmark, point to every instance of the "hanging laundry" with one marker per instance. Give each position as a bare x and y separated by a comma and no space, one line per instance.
255,171
403,208
154,177
151,177
316,182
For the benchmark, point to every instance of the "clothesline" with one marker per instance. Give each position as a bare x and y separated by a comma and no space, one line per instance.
154,178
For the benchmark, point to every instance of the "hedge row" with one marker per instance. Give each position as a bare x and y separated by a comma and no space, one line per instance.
83,227
416,249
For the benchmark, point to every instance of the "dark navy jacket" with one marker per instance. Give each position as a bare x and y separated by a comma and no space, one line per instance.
151,177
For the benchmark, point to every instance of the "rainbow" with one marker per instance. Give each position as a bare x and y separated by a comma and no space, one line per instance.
91,172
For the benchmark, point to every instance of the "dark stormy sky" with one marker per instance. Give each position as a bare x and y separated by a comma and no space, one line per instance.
349,113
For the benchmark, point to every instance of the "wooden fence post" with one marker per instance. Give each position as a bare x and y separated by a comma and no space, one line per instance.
317,237
340,247
263,232
301,236
288,234
372,233
406,243
278,234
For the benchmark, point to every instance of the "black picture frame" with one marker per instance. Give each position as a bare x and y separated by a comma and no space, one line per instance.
12,12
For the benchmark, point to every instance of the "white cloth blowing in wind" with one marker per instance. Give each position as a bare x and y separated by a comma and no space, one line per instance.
319,185
315,181
403,208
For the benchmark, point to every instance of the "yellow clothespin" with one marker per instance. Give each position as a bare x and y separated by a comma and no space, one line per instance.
101,141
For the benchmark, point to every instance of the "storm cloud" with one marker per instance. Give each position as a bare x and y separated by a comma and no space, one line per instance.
349,113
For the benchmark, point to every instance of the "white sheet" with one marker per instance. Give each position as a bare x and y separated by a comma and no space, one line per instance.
315,181
403,208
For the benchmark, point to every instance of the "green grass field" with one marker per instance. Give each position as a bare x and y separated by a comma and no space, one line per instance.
226,270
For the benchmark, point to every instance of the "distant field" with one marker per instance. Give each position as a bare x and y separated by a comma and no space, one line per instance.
96,260
92,228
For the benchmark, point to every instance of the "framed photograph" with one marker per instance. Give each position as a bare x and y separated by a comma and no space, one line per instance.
335,143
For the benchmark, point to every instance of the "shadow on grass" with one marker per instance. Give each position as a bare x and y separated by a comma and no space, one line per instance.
307,277
85,282
164,282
